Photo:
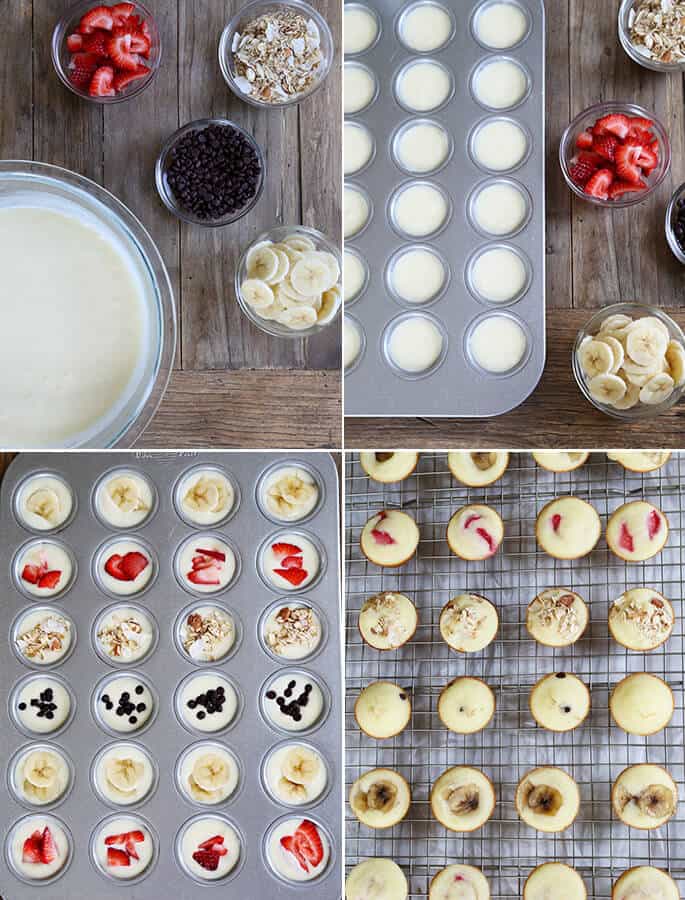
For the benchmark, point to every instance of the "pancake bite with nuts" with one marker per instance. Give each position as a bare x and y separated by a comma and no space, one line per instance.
642,704
560,702
640,460
382,710
567,528
468,623
475,532
645,881
554,879
380,798
388,620
390,538
557,617
466,705
560,460
463,799
547,799
381,879
641,619
644,796
389,466
637,531
454,882
477,468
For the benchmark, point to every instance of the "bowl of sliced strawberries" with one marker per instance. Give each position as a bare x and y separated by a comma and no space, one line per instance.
615,154
106,53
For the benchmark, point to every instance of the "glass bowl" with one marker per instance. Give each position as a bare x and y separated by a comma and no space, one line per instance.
624,20
586,119
37,184
276,235
167,195
591,328
677,201
252,11
61,56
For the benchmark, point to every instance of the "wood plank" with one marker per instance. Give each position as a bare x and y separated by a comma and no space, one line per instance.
16,79
557,414
224,409
622,254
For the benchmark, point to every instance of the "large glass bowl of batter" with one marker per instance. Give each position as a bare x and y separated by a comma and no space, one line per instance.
117,408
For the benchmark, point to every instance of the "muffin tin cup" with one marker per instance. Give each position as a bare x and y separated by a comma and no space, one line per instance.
281,534
9,858
101,687
366,7
404,14
238,632
14,788
124,663
15,630
271,470
101,556
124,882
362,129
235,871
362,344
123,808
193,539
100,486
42,735
396,140
365,282
490,60
355,186
17,497
401,73
16,570
303,886
487,301
480,9
295,669
368,389
387,335
292,601
221,676
416,304
178,504
469,354
222,747
489,182
293,742
395,199
355,64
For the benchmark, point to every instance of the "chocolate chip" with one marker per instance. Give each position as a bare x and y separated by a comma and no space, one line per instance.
133,720
141,707
22,706
139,689
271,695
201,715
566,709
105,698
561,674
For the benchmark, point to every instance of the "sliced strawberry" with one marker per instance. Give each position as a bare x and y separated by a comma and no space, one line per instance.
102,82
648,160
599,184
31,851
219,849
98,17
556,522
50,579
591,158
31,574
123,79
619,188
131,849
471,520
209,843
605,146
488,538
582,172
614,123
133,564
640,122
82,68
294,576
210,575
283,549
117,858
74,43
641,136
584,140
208,859
309,842
381,537
653,524
292,562
212,554
119,51
96,42
113,567
654,147
625,539
137,836
627,167
290,845
122,11
48,850
140,43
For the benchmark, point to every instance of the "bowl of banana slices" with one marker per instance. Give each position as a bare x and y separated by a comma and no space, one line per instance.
629,361
288,281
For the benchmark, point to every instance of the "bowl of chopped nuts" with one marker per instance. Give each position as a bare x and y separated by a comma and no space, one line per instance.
275,54
652,33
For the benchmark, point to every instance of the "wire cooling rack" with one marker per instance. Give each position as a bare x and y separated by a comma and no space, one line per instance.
598,845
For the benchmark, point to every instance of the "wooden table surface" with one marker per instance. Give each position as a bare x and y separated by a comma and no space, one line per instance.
594,256
234,385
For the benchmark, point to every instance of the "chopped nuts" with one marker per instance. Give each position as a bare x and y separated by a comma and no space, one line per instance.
466,621
653,621
657,30
294,627
121,638
277,56
46,636
389,622
556,611
204,634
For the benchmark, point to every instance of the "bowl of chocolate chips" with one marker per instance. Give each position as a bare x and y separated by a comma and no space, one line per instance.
210,172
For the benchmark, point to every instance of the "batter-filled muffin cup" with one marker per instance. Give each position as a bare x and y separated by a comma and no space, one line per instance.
39,849
477,468
124,498
557,617
44,568
466,705
640,460
44,502
554,879
645,881
298,850
462,799
475,532
208,773
468,623
469,881
389,538
547,799
560,701
206,495
124,847
43,636
124,774
637,531
295,773
644,796
567,528
642,704
641,619
388,620
380,798
40,774
560,460
389,466
380,878
383,710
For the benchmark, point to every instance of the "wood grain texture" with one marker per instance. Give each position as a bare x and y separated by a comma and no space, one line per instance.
594,256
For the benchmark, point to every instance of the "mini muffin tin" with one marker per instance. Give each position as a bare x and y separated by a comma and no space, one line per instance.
455,385
249,738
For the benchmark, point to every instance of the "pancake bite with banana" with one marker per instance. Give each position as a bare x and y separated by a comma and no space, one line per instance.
388,620
463,799
390,538
389,466
468,623
475,532
641,619
560,702
644,796
557,617
637,531
567,528
560,460
547,799
642,704
477,468
640,460
380,798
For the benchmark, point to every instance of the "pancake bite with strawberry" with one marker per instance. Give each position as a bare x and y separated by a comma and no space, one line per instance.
567,528
637,531
205,564
298,850
44,569
124,847
209,847
125,567
389,538
38,848
290,561
475,532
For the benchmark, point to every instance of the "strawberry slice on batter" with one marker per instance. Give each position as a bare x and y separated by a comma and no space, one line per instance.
625,539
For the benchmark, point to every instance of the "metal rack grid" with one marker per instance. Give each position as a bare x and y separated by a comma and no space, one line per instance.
597,844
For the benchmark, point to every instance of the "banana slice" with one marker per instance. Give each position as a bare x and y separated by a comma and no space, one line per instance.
44,503
273,311
630,398
257,293
607,388
295,793
292,254
124,773
283,267
125,494
646,344
657,389
206,495
675,357
41,794
616,322
210,772
300,242
262,263
311,276
617,350
200,794
327,258
596,358
288,494
294,296
41,768
301,766
298,317
330,301
652,322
